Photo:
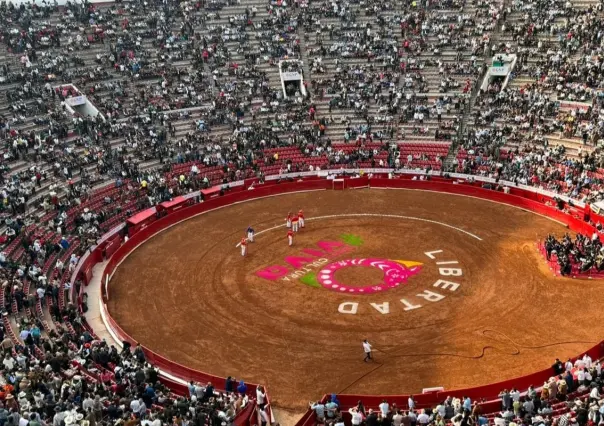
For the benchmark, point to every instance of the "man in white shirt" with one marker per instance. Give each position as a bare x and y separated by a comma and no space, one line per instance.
587,361
367,349
411,403
397,419
357,418
500,421
441,410
260,397
594,395
423,418
135,406
508,414
384,408
24,420
9,362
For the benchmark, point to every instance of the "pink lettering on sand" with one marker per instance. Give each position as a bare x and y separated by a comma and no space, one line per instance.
330,246
273,273
298,262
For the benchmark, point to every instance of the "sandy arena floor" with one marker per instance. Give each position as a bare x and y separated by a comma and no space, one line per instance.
189,295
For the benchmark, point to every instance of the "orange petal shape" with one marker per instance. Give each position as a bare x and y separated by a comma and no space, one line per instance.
409,263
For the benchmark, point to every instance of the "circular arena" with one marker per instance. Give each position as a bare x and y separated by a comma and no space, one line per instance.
469,307
441,159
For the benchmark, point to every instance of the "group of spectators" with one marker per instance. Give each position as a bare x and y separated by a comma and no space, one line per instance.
584,252
555,92
570,397
189,96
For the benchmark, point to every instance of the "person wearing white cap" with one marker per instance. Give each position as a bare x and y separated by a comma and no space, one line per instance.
22,399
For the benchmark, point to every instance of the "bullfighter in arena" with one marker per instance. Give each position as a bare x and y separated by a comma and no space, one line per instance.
290,237
288,220
250,234
367,350
301,218
243,246
295,223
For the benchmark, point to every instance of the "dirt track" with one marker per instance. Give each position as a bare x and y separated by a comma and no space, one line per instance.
189,295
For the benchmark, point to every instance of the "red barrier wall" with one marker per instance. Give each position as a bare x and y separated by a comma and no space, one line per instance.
112,245
141,220
168,207
518,197
85,271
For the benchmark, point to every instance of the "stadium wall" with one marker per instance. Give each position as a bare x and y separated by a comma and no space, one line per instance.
111,247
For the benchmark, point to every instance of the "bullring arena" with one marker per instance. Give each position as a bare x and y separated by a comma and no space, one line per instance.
448,159
474,304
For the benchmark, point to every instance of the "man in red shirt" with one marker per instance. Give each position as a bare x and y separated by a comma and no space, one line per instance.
290,237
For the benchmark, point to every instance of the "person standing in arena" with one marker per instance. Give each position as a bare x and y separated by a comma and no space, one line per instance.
243,246
367,349
295,223
260,396
301,218
250,234
288,221
290,237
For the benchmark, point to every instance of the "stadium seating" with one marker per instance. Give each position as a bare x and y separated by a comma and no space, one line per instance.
191,97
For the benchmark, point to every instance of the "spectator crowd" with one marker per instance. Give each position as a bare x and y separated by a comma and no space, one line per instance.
189,96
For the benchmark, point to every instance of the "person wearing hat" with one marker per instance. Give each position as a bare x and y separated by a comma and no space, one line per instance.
10,403
22,399
69,420
59,415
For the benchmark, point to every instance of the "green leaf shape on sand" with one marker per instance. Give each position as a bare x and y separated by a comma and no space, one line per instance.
310,279
351,239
